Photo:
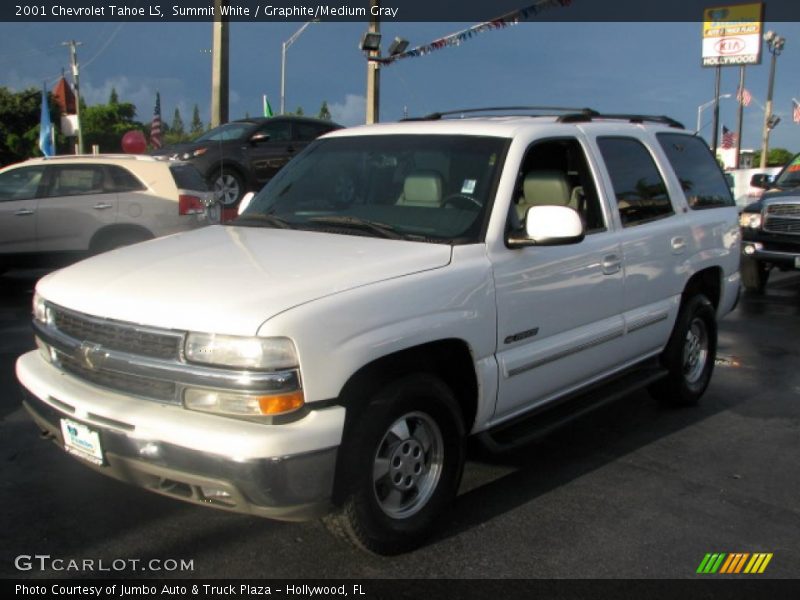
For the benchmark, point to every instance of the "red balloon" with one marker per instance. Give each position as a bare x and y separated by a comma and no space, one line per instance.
134,142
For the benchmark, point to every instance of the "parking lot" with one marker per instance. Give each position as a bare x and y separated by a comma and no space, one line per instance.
631,491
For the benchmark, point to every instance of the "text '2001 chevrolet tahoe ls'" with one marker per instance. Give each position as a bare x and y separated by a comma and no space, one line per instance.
392,291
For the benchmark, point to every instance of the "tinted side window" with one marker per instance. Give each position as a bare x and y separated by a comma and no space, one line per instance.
638,186
305,132
700,176
77,180
278,132
123,180
20,184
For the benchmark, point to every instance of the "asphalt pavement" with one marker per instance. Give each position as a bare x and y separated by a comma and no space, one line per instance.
632,491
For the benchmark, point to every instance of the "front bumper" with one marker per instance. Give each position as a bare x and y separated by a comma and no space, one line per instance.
779,249
246,477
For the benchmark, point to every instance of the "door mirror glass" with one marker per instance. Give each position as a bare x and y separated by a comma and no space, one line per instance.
761,180
548,226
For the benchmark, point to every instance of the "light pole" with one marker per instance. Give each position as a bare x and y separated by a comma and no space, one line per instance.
284,48
704,106
73,57
775,45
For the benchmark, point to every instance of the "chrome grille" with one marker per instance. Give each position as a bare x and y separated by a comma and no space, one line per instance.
783,218
128,384
117,336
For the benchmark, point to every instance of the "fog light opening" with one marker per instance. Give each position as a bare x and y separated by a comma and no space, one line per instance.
216,495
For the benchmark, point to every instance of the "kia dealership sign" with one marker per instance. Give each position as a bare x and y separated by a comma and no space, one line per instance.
732,35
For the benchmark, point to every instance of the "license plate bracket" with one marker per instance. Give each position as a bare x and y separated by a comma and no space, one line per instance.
82,441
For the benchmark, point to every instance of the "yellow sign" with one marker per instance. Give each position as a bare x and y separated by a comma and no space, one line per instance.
732,35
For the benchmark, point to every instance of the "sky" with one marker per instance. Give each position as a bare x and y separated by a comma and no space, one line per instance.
651,68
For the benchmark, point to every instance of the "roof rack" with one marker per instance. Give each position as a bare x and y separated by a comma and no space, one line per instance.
507,109
583,117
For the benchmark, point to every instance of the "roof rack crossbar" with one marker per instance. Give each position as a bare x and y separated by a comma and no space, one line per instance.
558,109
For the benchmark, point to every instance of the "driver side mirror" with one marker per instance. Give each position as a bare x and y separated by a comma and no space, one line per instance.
258,137
761,180
548,226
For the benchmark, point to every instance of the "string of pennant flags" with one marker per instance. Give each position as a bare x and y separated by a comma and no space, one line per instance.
456,39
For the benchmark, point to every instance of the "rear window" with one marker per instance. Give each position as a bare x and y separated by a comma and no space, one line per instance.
188,178
701,178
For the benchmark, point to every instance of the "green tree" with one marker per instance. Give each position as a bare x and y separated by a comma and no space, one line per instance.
20,113
299,112
776,157
105,124
324,112
196,128
113,98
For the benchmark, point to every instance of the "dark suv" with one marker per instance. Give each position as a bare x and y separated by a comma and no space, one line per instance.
771,227
243,155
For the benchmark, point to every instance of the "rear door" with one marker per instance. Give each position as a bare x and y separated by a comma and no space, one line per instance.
268,155
18,191
78,199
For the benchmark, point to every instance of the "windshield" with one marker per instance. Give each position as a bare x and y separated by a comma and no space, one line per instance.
435,188
223,133
790,176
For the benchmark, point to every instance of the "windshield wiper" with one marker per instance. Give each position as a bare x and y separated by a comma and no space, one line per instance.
263,219
382,229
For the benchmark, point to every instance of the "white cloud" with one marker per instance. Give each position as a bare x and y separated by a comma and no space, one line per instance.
350,112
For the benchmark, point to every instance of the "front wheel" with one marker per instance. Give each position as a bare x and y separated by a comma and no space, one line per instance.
401,466
689,355
754,274
227,186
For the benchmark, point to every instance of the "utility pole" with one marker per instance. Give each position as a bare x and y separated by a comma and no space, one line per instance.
715,121
739,117
373,70
775,45
219,66
73,58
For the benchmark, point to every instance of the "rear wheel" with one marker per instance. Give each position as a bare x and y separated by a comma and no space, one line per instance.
754,274
401,466
690,354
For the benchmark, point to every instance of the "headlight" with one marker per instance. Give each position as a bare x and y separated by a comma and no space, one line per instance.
236,404
40,311
269,354
751,220
194,154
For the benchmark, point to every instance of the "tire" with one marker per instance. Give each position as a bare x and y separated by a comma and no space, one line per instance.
227,186
754,275
690,354
400,466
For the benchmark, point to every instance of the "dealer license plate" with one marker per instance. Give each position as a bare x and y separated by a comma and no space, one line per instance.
82,441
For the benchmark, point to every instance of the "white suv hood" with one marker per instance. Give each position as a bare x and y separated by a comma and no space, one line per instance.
230,279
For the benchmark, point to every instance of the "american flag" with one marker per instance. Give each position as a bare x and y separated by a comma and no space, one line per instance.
155,125
744,97
795,111
728,138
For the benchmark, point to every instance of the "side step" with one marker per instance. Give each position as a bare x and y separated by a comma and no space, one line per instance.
542,420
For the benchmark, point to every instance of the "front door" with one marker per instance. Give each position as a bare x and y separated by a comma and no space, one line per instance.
559,308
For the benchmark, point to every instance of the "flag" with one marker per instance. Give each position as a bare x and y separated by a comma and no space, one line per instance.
46,127
728,138
155,125
267,108
795,111
743,97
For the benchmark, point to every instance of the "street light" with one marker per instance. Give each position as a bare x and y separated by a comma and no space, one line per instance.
702,107
775,45
284,48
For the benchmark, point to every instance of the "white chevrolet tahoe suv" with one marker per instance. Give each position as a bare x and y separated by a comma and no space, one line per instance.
392,291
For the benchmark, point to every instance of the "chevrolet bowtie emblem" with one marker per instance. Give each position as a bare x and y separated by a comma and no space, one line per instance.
90,355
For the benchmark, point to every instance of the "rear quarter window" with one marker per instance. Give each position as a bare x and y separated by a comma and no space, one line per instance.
188,178
699,174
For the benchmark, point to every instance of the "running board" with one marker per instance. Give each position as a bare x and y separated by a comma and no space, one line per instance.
542,420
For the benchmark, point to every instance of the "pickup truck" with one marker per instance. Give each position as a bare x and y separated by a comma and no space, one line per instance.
394,290
771,227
